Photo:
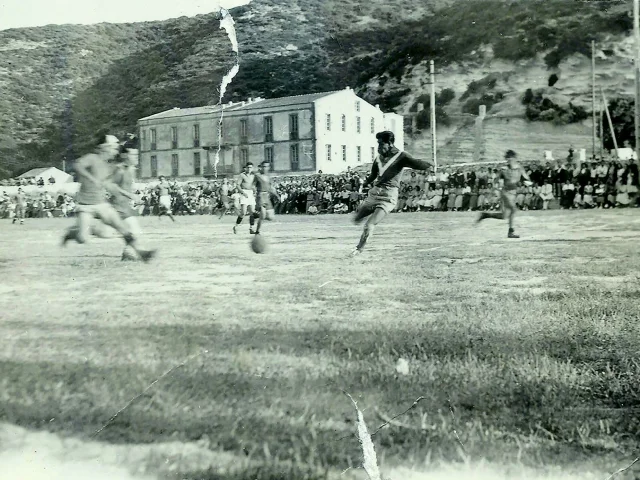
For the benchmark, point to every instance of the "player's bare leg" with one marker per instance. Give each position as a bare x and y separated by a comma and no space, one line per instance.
376,217
363,212
129,252
241,214
508,213
264,215
81,230
252,220
113,220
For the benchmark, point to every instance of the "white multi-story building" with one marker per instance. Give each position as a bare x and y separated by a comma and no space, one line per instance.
325,132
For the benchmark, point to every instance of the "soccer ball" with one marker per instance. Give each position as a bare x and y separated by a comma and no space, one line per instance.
258,244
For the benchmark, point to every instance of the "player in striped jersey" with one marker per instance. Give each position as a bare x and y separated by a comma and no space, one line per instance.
384,180
511,176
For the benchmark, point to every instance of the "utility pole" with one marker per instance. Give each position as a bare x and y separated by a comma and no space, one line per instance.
433,115
593,94
613,133
601,118
636,34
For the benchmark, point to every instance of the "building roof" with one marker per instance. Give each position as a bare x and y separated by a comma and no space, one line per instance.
34,172
238,106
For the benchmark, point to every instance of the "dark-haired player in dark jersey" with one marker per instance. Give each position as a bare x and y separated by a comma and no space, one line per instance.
384,180
511,177
264,207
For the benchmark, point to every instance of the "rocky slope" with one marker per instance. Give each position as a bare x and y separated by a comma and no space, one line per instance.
63,84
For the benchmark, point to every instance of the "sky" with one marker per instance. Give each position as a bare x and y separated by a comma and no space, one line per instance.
35,13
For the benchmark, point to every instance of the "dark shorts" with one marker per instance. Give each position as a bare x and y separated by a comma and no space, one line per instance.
509,199
263,200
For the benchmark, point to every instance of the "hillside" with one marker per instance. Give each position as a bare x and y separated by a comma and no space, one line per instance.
61,85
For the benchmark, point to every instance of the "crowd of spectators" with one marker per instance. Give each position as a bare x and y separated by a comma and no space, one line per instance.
568,184
23,182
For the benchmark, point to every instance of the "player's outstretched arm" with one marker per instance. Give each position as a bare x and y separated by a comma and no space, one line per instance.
415,164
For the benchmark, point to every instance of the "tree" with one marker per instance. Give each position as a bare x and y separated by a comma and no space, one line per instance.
622,111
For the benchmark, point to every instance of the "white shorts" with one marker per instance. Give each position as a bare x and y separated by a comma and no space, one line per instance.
165,201
384,198
249,200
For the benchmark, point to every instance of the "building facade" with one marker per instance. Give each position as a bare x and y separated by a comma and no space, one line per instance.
304,134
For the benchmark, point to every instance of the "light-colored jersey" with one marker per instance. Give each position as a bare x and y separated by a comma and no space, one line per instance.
91,193
224,189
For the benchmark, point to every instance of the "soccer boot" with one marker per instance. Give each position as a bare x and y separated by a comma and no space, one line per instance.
128,257
513,235
147,255
483,216
355,252
235,228
70,235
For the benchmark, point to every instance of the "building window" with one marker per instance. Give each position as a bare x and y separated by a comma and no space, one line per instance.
357,106
268,157
143,138
393,125
196,136
174,165
294,157
154,165
344,153
197,170
154,145
358,124
344,123
293,126
244,156
268,129
373,125
220,129
328,121
243,130
359,150
328,153
373,153
174,137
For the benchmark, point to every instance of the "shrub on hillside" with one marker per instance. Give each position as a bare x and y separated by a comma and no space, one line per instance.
472,106
443,98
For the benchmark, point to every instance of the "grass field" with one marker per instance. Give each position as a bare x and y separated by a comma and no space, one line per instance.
525,351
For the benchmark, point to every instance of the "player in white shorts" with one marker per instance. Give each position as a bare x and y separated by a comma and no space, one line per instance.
164,199
247,197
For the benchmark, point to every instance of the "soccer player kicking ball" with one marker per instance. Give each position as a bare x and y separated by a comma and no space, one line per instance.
384,180
262,182
247,197
94,171
511,176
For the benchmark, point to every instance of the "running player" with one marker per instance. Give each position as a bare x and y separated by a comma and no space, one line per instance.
384,180
21,206
247,197
264,191
94,171
164,199
511,176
